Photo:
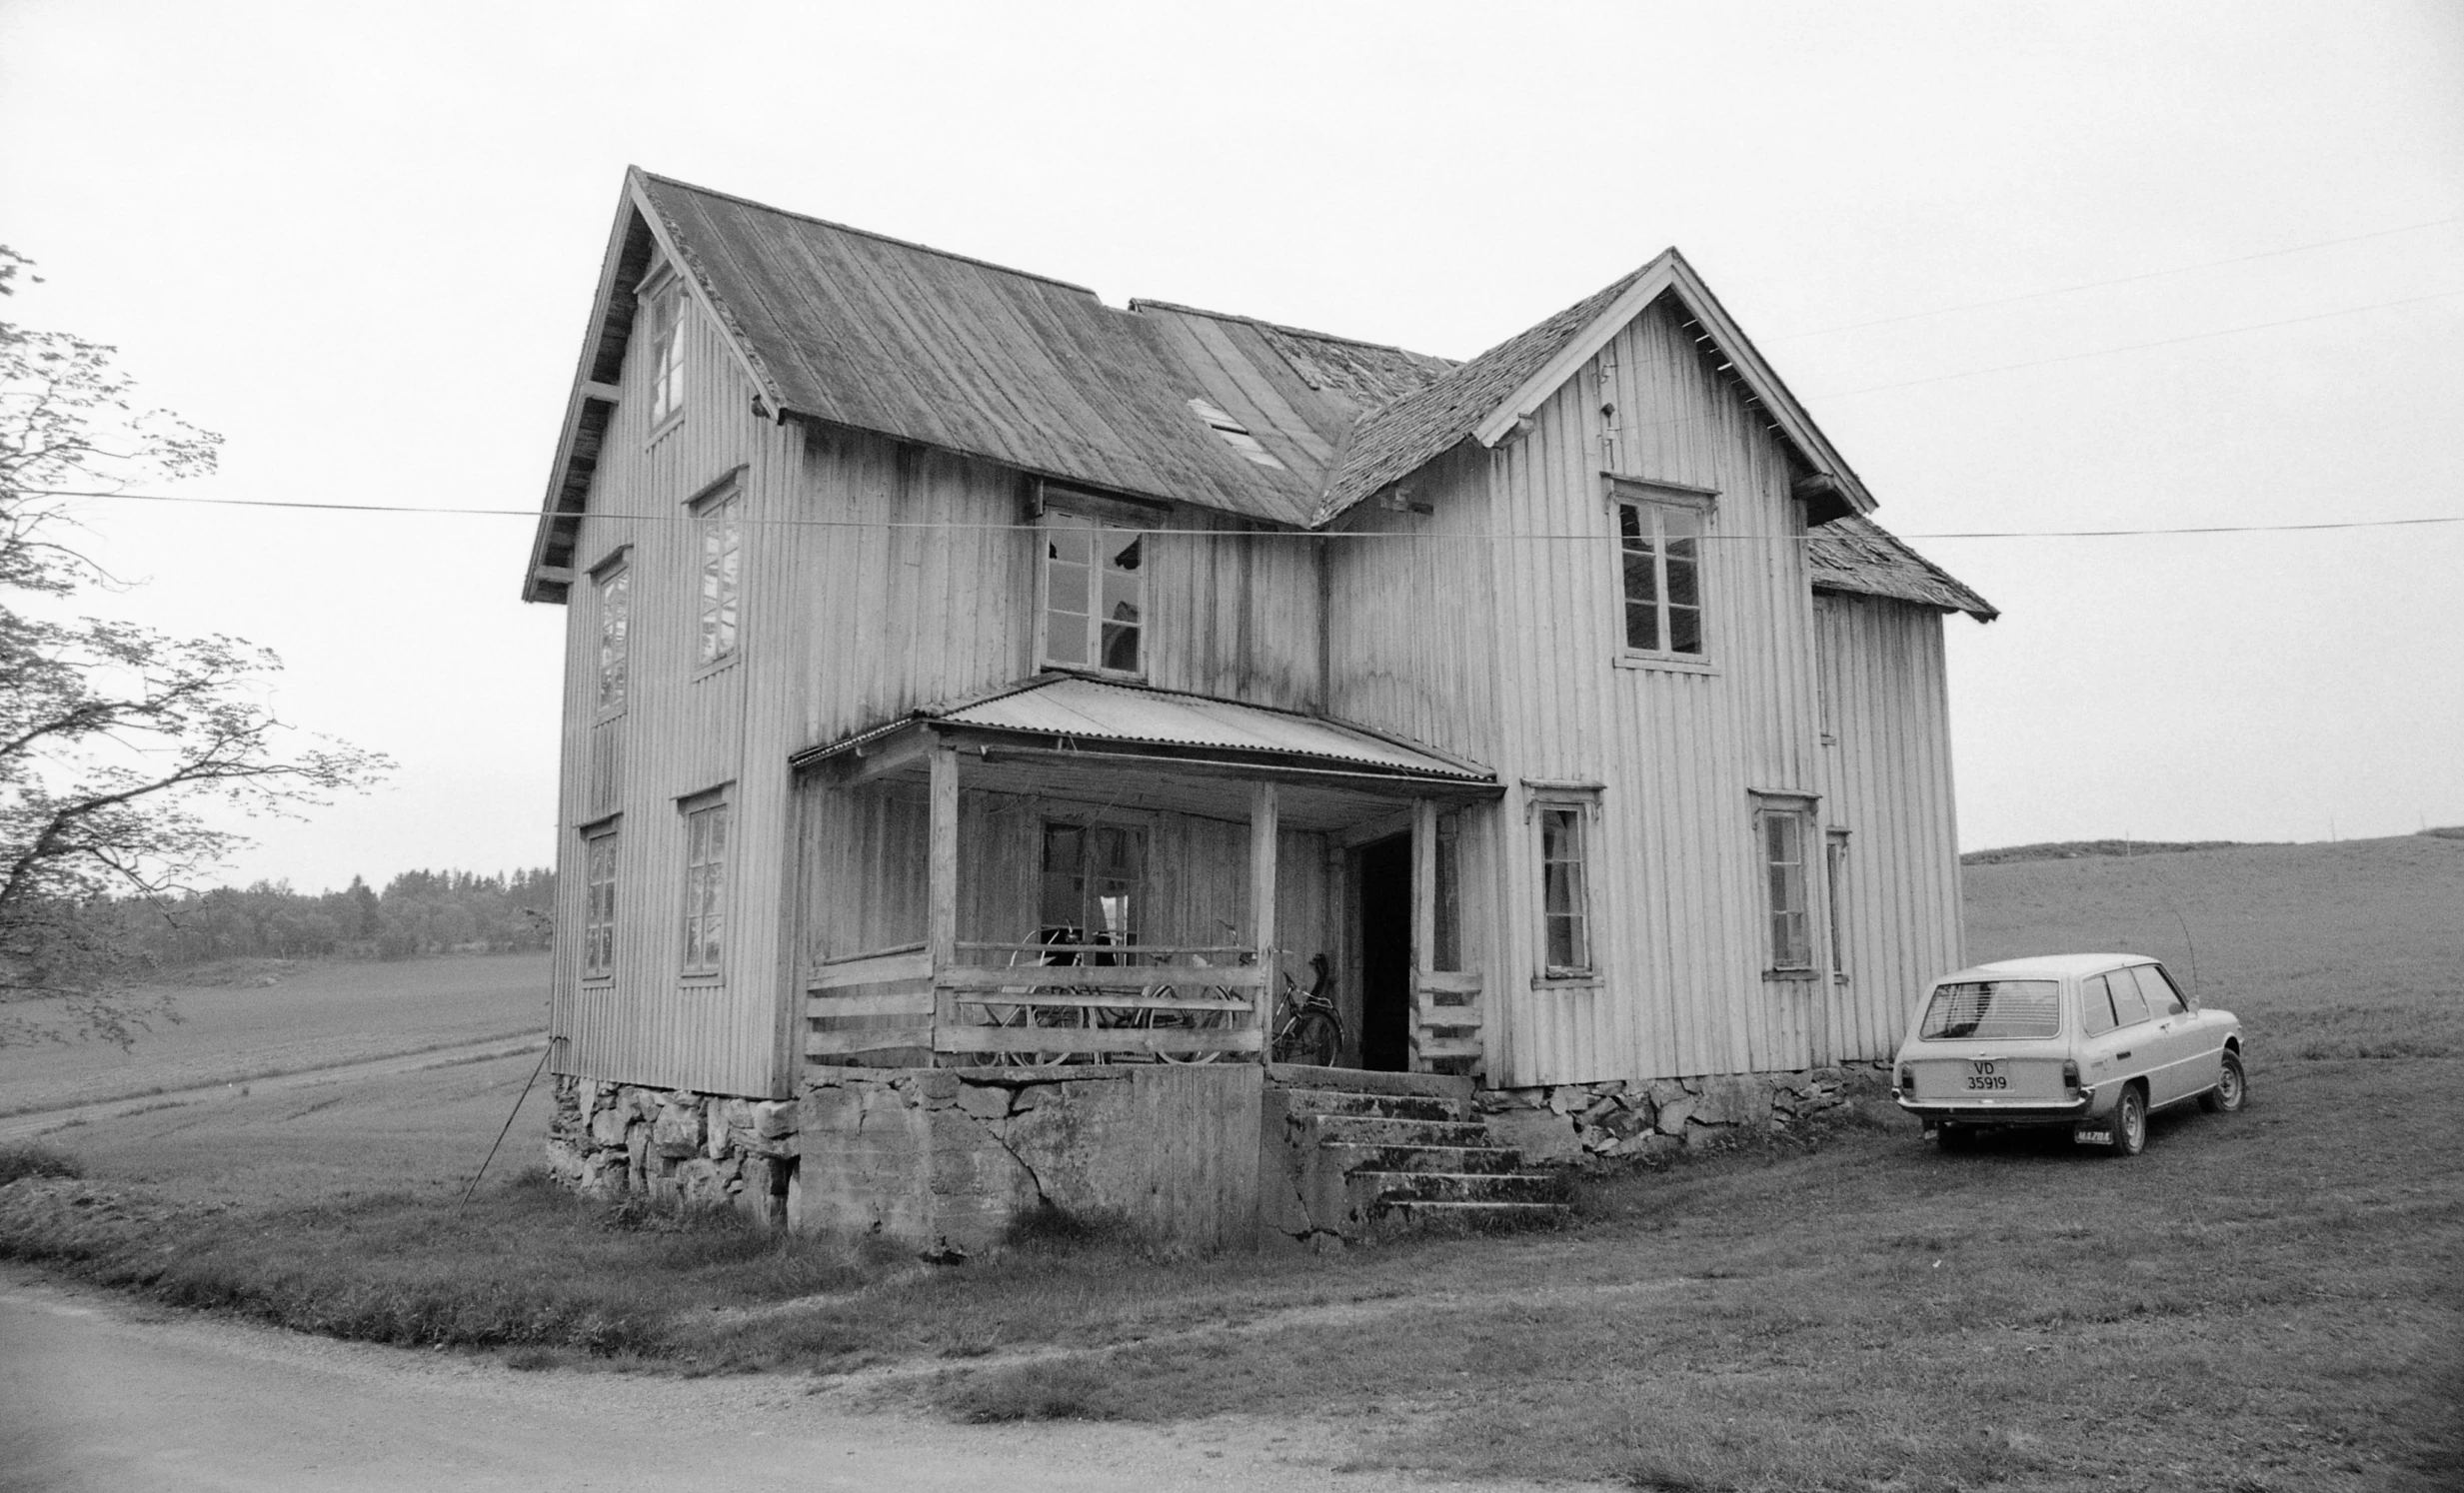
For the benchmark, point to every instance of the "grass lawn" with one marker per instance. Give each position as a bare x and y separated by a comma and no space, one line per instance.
2269,1300
317,1013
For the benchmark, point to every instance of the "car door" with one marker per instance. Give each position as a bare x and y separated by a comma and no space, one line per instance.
2185,1064
2131,1054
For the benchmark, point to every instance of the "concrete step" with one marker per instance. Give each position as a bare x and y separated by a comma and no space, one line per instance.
1363,1081
1347,1158
1371,1129
1380,1188
1469,1217
1377,1106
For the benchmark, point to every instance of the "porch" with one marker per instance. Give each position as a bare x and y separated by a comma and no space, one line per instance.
1073,872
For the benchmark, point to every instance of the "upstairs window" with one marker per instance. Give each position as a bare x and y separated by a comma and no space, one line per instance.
599,905
615,602
1095,595
720,542
663,338
1659,550
706,885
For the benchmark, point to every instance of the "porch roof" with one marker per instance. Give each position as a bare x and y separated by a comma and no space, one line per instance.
1170,724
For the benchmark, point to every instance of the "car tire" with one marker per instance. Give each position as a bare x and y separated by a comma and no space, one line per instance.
2129,1122
2232,1088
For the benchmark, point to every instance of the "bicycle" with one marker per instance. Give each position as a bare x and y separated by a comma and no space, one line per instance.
1308,1027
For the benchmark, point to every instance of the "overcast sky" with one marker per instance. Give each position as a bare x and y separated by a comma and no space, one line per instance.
360,243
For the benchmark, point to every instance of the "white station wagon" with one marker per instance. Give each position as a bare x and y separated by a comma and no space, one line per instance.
2089,1041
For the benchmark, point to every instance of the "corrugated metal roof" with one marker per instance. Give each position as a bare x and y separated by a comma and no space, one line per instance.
1857,555
1097,711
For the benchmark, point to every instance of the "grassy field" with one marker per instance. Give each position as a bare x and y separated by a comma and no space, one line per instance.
2262,1301
314,1014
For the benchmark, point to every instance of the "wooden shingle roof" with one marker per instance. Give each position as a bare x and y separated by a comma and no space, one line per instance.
1854,554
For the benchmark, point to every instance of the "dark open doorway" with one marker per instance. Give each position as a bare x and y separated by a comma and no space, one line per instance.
1384,880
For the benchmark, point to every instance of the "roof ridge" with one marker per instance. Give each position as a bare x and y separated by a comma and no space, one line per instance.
866,233
1140,303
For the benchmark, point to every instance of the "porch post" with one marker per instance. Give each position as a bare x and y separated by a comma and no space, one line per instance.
942,884
1263,822
1424,912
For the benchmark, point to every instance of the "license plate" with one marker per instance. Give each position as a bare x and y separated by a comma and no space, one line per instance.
2092,1137
1984,1076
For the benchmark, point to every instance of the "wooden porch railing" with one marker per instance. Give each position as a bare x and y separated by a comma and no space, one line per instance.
1446,1019
1031,1004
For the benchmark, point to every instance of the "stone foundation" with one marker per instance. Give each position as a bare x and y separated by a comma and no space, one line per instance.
609,1139
1575,1123
947,1159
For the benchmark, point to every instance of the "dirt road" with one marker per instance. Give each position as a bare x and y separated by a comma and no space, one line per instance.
98,1393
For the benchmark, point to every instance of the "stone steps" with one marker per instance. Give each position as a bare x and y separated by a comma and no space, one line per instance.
1372,1155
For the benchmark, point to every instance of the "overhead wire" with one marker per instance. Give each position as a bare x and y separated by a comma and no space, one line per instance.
947,525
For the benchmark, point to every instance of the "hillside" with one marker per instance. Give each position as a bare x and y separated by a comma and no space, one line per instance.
2348,950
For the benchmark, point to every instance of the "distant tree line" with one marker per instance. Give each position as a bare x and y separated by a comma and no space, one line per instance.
417,912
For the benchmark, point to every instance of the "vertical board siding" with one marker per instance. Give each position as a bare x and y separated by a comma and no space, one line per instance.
1889,786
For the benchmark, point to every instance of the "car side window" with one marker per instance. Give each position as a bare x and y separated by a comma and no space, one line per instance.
2128,1007
2162,998
2095,1005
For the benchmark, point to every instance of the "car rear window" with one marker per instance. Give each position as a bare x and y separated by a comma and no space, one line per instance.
1990,1009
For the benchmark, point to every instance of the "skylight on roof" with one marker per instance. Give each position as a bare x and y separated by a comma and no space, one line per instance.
1234,434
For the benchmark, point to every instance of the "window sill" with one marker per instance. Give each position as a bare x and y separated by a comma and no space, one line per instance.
599,981
662,429
1090,672
698,977
1567,983
1664,663
1799,976
719,665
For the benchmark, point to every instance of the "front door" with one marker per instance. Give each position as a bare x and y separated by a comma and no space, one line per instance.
1384,880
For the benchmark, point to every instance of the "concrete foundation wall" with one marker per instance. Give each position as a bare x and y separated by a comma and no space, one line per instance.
949,1158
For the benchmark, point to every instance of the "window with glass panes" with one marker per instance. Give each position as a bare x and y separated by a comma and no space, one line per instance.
720,537
1095,595
1565,908
599,905
666,343
615,600
1091,888
1660,548
706,886
1783,867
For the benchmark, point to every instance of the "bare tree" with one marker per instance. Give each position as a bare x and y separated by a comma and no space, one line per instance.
114,739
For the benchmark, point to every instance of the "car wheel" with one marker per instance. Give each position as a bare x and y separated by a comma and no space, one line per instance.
2130,1122
2232,1090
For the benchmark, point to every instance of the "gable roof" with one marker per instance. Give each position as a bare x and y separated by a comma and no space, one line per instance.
1485,398
852,328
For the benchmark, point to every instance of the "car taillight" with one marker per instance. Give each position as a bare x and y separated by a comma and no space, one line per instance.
2070,1074
1907,1079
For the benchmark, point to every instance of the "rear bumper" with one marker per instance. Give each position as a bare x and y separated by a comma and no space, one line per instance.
1933,1113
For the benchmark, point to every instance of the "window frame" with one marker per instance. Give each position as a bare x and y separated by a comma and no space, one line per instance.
1798,810
1135,832
726,496
1055,518
703,924
614,570
598,932
1581,805
661,297
1656,498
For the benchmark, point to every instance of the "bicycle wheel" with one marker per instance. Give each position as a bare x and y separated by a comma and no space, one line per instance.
1314,1039
1227,1019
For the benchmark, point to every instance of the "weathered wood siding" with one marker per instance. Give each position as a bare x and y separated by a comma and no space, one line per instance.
1676,899
1889,783
683,731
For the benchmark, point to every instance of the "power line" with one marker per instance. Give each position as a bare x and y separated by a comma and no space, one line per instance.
945,525
2064,290
2136,347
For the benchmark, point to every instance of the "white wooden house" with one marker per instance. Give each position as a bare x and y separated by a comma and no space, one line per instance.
1564,699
